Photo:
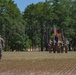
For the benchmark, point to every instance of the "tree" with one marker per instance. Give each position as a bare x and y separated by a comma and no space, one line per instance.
34,27
47,14
12,25
37,21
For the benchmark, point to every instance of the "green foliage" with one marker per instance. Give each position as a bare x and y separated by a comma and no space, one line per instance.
6,48
12,26
28,43
53,12
35,26
52,36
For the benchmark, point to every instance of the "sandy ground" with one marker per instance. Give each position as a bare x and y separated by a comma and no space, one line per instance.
38,63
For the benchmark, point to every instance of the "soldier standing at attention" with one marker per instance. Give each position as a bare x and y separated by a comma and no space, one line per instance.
1,46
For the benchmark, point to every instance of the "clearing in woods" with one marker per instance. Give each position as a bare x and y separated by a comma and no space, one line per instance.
38,63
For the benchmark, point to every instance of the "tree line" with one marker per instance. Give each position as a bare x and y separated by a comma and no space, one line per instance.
34,26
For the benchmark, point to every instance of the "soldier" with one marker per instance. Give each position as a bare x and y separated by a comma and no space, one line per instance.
1,46
50,45
66,44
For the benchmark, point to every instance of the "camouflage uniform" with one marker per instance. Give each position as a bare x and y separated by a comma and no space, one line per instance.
1,46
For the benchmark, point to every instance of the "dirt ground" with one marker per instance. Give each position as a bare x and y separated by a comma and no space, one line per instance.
38,63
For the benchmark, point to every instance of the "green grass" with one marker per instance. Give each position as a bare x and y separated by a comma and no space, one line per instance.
38,63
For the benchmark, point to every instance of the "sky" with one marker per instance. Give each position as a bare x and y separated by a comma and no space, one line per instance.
22,4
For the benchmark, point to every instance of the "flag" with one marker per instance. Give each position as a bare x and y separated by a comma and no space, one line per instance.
56,34
62,35
56,38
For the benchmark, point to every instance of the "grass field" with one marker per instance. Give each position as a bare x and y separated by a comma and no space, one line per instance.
38,63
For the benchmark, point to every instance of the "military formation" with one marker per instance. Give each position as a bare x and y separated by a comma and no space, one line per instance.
58,47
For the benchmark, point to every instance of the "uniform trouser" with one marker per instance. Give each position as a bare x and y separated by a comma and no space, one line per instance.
0,53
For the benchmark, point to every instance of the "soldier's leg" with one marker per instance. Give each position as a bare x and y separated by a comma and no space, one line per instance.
0,53
50,49
58,49
54,49
62,49
66,49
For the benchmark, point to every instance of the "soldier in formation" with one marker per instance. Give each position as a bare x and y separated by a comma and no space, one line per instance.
59,46
1,46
